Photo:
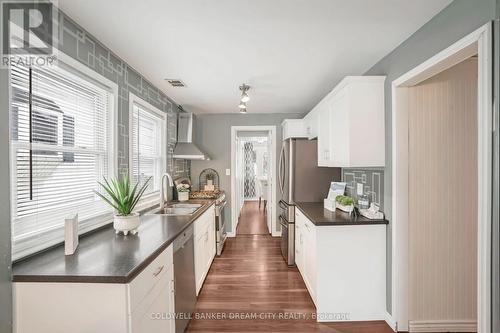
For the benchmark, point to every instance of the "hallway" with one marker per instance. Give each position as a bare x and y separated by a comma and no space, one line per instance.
252,219
251,289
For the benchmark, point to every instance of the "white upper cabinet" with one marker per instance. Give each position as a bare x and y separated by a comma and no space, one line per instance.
293,128
311,122
324,133
350,125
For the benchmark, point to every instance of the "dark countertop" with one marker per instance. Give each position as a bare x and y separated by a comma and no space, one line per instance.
104,257
320,216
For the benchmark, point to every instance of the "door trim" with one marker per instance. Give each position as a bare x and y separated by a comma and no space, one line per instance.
479,42
272,167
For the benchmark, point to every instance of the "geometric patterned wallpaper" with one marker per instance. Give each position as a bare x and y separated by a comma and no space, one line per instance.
372,180
80,45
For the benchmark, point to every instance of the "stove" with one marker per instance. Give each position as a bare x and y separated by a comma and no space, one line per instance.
220,202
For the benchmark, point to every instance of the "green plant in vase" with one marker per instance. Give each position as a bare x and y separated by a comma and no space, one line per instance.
123,197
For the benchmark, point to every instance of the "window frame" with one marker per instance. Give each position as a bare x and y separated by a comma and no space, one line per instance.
52,238
153,197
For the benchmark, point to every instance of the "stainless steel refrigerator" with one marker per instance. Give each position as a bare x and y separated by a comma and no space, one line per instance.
299,180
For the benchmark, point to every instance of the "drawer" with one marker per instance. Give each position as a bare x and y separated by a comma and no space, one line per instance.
203,222
143,283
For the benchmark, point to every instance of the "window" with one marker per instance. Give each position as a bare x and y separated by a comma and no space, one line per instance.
60,147
148,144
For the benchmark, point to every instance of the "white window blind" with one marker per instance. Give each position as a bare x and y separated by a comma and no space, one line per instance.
148,146
59,151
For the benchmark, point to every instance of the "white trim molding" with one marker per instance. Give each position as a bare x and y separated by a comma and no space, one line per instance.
390,321
272,158
478,42
443,326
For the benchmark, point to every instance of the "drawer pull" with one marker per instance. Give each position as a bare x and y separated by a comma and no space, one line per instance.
158,270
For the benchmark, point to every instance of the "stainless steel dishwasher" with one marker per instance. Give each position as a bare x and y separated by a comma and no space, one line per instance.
185,284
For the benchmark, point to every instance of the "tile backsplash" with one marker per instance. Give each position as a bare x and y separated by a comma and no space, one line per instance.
372,180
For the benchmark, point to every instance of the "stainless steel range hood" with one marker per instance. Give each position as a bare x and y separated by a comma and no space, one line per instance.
185,147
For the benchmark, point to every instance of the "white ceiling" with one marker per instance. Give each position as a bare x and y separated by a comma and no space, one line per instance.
291,52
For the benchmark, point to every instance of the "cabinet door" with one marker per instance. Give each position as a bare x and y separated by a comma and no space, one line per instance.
310,258
298,248
311,124
212,242
199,258
299,241
324,134
153,315
339,124
208,250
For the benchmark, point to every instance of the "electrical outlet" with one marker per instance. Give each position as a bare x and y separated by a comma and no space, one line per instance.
228,172
359,190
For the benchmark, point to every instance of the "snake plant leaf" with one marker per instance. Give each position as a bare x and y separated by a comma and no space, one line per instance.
121,195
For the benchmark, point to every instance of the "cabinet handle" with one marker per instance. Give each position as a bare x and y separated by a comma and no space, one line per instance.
158,270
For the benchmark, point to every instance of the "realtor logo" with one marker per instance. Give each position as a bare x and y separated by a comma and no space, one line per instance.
27,33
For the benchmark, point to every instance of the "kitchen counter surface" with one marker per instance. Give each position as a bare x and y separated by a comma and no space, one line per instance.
104,257
320,216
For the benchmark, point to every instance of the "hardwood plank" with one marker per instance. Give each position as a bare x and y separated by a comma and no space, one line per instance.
252,219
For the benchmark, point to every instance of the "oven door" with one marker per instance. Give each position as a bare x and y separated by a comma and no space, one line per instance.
221,233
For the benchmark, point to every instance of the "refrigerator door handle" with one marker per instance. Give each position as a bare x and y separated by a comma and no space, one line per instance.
280,170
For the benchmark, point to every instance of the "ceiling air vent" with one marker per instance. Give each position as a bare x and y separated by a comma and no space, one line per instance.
176,83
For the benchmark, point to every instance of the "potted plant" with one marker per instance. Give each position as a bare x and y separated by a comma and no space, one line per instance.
344,203
123,197
183,191
210,179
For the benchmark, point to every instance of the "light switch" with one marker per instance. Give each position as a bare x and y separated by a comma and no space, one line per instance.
228,172
359,190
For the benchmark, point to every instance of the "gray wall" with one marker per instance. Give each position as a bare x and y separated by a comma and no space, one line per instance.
213,135
79,44
5,255
457,20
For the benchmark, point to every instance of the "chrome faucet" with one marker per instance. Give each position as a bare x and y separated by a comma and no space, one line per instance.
162,189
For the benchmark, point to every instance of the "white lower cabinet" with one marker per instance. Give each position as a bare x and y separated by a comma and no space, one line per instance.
306,252
204,246
144,305
150,316
343,268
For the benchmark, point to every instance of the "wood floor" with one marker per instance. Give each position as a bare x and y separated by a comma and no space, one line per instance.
252,219
250,283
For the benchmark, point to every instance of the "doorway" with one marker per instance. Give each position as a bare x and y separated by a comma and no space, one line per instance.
253,194
441,162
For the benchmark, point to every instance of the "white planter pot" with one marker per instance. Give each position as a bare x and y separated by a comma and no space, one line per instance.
347,209
183,196
126,223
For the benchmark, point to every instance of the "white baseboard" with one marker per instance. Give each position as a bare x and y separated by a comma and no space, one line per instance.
276,234
390,321
443,326
231,234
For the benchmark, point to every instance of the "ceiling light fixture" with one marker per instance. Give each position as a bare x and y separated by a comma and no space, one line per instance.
242,105
244,92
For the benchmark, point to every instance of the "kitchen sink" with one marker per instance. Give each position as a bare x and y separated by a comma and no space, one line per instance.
178,209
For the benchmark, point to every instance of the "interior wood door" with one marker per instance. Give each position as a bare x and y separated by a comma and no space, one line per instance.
443,196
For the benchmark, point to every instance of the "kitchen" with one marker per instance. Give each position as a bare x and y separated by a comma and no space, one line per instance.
121,179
